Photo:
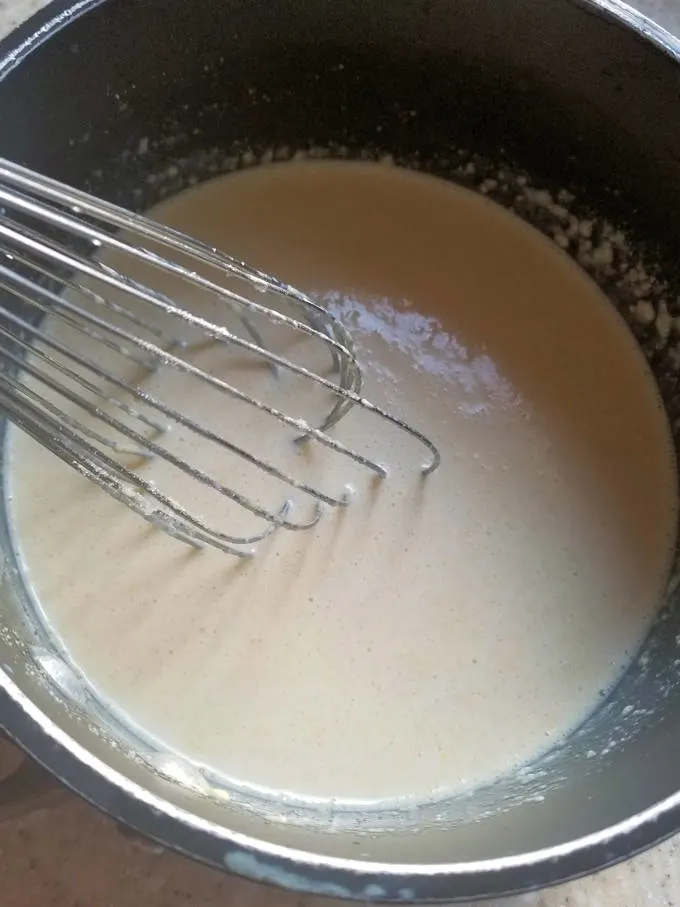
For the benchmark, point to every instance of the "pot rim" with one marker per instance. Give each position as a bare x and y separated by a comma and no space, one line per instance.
298,870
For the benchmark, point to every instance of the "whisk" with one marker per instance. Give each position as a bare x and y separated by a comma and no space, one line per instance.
53,271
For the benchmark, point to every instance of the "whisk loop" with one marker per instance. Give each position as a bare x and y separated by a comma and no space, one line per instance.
69,400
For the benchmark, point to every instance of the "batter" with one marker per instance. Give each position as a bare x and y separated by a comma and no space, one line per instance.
436,632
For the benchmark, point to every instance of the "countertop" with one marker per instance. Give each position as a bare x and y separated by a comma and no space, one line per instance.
69,855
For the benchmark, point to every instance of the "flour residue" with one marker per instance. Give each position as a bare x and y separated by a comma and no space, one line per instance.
428,346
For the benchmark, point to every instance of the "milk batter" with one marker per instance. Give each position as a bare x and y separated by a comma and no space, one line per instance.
436,632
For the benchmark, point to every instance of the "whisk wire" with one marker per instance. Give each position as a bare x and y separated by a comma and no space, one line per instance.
146,448
51,237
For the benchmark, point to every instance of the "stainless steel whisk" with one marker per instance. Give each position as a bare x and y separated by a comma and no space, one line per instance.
51,237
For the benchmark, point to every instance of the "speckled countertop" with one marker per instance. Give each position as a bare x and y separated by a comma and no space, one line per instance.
70,856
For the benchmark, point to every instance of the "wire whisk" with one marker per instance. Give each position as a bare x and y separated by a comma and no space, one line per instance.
80,332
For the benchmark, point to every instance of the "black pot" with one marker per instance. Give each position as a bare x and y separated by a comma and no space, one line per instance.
133,100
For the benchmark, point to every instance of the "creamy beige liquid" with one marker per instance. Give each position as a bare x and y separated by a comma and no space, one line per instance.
436,632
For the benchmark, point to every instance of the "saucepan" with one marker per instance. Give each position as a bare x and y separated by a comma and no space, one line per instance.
135,101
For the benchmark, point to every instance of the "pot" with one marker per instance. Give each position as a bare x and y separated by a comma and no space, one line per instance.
136,100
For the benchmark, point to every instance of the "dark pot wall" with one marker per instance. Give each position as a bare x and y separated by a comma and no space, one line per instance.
129,89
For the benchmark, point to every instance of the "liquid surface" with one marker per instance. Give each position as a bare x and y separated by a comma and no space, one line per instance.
436,632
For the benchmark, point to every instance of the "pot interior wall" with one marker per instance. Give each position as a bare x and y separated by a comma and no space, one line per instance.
135,99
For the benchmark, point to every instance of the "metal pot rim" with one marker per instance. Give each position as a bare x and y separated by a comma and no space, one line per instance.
302,871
